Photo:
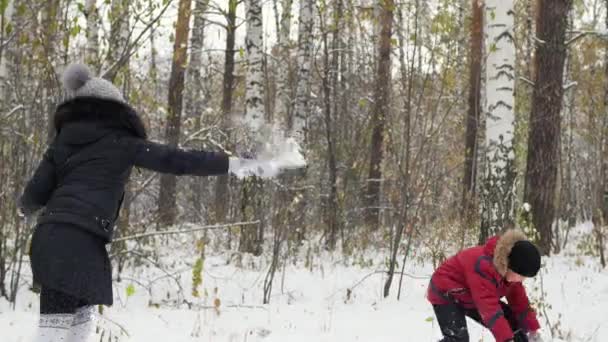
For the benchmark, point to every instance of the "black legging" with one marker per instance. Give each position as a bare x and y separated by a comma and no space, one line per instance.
453,324
57,302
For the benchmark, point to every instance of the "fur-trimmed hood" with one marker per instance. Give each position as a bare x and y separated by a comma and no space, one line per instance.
500,248
103,113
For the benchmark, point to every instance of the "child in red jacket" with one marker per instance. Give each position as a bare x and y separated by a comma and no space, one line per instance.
472,282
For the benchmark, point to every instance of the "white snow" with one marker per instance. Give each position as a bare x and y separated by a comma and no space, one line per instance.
312,304
275,155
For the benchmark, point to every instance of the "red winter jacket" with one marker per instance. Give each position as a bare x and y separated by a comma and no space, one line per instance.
474,278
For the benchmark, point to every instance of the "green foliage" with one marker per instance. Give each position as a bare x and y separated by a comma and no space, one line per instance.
3,6
197,276
587,245
197,270
130,290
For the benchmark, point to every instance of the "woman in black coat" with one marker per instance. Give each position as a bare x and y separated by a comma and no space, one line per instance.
80,186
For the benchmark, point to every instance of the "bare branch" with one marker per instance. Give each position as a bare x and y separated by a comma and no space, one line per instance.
12,111
183,231
131,48
527,81
570,85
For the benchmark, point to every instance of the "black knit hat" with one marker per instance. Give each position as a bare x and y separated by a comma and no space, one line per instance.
524,259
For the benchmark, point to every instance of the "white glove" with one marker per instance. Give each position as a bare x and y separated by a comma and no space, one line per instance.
242,167
535,336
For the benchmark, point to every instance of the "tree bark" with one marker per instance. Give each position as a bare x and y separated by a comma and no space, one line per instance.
304,62
474,110
250,241
50,25
92,33
197,99
221,191
283,97
254,90
167,201
119,31
545,119
497,196
380,111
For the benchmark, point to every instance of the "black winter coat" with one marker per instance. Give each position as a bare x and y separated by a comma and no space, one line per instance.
80,184
82,176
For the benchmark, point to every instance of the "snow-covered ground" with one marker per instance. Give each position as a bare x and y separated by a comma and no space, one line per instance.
310,303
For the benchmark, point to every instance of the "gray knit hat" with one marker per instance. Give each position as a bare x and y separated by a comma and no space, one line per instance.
78,82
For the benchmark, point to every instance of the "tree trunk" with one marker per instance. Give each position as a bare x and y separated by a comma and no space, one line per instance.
283,96
497,197
5,19
545,119
167,202
92,33
304,62
331,58
119,31
407,87
254,118
603,188
221,191
197,100
472,118
254,92
380,111
50,25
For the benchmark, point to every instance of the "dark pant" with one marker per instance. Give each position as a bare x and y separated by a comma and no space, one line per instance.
453,324
56,302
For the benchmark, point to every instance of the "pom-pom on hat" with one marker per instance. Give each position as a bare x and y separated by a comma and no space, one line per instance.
78,81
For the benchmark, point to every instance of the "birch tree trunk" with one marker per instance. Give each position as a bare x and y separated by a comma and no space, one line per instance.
304,63
283,97
545,119
167,201
498,191
250,239
92,33
254,91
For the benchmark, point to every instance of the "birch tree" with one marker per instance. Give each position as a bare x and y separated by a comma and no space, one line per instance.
254,90
251,239
283,97
92,33
499,171
304,63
